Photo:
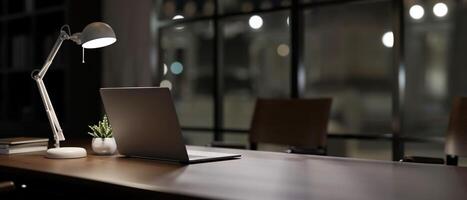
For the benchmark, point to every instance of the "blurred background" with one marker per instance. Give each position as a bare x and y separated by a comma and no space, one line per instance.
392,67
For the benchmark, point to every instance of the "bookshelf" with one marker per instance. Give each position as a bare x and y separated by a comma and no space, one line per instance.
28,30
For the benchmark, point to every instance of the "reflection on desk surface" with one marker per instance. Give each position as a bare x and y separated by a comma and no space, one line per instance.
258,175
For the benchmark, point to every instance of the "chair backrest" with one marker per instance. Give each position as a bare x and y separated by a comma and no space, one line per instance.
293,122
456,139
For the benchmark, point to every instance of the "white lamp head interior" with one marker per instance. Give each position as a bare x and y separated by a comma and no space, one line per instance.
98,43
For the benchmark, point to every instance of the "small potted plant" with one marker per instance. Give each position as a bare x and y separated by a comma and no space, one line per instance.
103,142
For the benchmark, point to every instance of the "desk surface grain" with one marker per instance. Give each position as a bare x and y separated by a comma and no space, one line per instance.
258,175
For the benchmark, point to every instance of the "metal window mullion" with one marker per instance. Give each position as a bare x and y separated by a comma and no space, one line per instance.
398,96
218,79
297,75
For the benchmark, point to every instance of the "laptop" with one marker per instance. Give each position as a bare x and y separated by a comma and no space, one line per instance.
145,125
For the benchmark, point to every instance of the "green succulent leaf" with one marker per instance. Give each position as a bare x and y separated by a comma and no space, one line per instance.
102,129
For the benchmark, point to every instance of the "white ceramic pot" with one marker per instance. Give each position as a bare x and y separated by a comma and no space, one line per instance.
104,146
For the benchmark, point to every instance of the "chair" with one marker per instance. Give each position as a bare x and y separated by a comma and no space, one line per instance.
300,124
456,137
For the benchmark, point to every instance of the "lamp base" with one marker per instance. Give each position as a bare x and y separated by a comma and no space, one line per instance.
66,153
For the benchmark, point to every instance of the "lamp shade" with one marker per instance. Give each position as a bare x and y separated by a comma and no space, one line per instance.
96,35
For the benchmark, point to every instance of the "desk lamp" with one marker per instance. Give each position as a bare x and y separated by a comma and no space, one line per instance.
94,35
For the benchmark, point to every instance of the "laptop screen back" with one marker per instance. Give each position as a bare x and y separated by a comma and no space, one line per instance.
144,122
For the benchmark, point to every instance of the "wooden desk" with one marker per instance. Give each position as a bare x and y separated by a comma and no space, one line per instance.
257,175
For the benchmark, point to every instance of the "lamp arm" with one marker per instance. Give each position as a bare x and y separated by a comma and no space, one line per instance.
53,120
62,37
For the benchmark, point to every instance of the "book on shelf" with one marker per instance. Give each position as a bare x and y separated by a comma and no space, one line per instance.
21,45
22,144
